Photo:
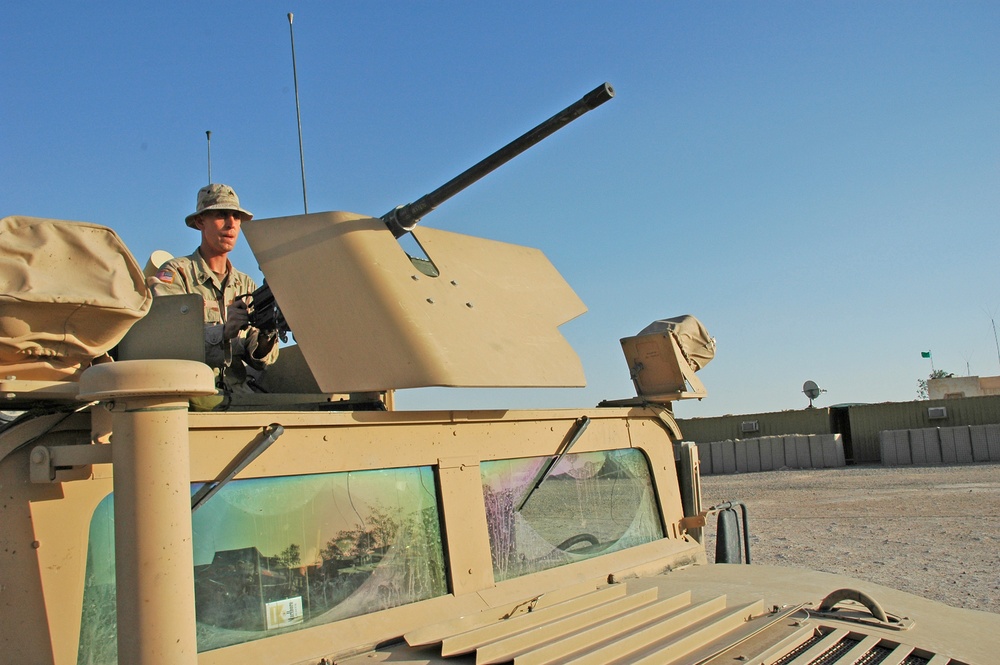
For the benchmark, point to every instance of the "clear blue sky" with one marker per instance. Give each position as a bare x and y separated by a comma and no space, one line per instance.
817,182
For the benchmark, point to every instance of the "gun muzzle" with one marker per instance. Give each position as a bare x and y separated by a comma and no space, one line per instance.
402,219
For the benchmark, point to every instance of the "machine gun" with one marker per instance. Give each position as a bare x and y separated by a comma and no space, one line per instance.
265,313
402,219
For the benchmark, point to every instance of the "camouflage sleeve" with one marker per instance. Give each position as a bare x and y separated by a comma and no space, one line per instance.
252,339
169,280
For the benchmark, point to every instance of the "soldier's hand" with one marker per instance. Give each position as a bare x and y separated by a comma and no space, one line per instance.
237,318
265,342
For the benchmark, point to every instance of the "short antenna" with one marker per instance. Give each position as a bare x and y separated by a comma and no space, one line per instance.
208,134
298,116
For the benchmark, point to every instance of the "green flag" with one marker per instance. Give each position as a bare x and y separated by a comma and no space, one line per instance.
925,354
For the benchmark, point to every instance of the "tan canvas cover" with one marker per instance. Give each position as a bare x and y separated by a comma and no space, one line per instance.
696,344
69,291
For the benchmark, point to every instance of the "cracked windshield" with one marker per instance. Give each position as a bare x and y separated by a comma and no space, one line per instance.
589,504
279,554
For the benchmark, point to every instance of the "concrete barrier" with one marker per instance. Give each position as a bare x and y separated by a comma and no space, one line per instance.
752,455
980,447
833,452
940,445
804,451
993,441
769,453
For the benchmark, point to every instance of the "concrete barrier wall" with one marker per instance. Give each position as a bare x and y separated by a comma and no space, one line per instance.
769,453
860,423
965,444
867,422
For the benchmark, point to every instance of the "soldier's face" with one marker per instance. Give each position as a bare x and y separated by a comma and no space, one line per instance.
220,229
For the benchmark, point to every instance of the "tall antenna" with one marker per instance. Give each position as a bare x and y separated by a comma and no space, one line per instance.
208,134
993,321
298,116
995,340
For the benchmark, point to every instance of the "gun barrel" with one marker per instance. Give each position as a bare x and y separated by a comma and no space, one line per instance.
402,219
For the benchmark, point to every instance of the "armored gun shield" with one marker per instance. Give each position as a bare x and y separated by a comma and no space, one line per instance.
367,319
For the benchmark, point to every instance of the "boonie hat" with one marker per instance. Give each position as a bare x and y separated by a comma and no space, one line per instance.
217,197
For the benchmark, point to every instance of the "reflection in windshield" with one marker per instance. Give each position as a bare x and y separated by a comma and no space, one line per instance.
279,554
590,504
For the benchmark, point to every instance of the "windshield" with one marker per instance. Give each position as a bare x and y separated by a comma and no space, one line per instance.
279,554
589,504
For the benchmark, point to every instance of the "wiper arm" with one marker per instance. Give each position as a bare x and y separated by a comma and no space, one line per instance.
579,427
269,435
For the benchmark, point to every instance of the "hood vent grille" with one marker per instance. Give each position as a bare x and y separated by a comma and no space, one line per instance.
622,624
824,645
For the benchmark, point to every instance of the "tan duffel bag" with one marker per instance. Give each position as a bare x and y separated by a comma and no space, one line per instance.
69,291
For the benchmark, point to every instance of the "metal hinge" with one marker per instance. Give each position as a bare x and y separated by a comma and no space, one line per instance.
56,464
694,521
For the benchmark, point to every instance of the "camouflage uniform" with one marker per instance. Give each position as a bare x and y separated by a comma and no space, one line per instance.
191,274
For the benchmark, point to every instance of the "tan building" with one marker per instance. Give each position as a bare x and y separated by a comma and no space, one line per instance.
963,386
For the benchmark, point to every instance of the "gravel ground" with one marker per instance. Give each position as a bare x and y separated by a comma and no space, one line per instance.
933,531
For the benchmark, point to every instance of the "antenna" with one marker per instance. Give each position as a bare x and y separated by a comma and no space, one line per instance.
208,134
298,116
995,340
812,391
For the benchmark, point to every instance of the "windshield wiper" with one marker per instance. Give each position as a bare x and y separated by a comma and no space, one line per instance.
268,436
578,428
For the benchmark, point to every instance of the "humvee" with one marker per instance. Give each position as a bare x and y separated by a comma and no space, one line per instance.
149,519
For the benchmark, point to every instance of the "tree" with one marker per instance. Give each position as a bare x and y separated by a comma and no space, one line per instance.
922,383
290,557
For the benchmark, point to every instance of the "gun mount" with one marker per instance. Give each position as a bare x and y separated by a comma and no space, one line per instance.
402,219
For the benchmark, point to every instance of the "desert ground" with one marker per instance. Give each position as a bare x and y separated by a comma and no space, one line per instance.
930,530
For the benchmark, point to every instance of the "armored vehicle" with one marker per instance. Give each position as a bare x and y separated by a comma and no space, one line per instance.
148,519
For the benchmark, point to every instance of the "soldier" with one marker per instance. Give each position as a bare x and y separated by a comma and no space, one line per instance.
231,344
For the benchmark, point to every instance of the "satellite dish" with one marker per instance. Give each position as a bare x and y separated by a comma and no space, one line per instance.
812,391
